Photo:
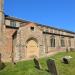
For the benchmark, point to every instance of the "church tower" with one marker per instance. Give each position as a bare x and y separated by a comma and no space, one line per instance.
2,26
1,15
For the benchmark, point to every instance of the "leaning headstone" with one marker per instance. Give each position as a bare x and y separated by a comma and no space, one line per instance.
2,65
66,59
72,49
52,67
0,57
37,64
67,50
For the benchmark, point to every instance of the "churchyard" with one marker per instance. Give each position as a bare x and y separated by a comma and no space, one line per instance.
52,65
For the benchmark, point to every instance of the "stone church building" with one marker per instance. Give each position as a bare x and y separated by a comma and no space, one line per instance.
22,40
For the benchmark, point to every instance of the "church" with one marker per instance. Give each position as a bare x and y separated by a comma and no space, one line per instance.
23,40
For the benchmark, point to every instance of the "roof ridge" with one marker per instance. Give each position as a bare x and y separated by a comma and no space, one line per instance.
25,21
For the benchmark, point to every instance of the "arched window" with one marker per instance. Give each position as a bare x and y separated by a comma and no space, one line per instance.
62,42
52,41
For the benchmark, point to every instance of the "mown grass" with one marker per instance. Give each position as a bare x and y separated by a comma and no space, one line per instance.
27,67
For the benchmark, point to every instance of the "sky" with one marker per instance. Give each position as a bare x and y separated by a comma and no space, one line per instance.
55,13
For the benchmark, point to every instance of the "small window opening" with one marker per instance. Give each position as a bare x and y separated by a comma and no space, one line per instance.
32,28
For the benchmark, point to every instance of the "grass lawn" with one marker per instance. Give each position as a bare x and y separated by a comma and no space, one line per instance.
27,67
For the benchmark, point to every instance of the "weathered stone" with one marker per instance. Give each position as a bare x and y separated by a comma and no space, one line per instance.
37,63
14,40
2,65
0,57
66,59
52,67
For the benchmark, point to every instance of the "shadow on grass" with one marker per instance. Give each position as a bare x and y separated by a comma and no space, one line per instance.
46,70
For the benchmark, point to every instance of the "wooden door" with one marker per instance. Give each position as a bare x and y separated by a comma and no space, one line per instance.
32,49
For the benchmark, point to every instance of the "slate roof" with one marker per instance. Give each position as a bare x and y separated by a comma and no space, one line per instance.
24,21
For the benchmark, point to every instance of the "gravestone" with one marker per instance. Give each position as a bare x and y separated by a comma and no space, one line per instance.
72,49
0,57
51,67
66,59
37,64
2,65
67,50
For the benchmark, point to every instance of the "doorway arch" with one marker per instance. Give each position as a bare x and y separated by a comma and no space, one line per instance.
32,48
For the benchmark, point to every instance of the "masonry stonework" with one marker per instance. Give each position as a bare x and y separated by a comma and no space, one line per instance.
24,40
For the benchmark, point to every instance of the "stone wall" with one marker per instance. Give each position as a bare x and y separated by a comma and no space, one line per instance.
7,45
16,47
25,33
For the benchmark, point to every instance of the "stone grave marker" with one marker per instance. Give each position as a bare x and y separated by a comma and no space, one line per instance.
0,57
67,50
2,65
72,49
37,64
52,67
66,59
